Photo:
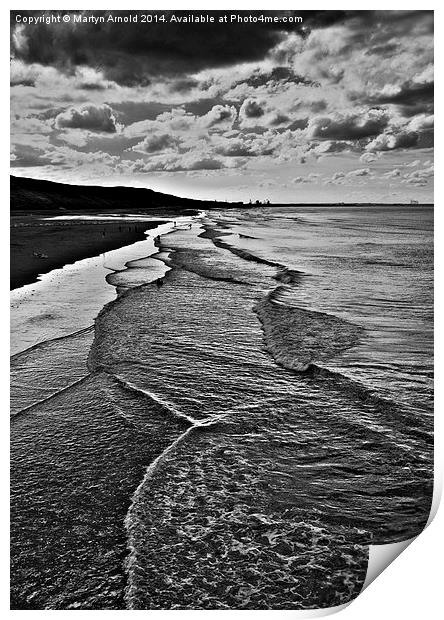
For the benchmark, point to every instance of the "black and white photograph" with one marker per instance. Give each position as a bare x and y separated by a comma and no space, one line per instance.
221,293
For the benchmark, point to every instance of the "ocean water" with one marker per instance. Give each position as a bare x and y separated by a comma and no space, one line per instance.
237,437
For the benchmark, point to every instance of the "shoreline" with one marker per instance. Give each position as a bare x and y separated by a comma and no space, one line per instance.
43,310
40,246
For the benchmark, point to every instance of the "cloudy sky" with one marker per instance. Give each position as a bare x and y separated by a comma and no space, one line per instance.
336,108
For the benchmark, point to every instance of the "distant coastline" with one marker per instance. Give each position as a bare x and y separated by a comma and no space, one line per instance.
30,195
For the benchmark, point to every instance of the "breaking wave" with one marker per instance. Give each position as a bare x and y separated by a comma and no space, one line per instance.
297,338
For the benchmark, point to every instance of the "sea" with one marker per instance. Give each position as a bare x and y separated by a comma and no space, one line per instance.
226,418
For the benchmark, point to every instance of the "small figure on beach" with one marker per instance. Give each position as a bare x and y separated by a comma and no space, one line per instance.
159,282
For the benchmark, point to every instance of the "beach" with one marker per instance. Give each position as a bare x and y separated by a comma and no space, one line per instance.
189,446
40,244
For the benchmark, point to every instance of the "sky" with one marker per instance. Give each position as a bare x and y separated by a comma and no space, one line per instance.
309,106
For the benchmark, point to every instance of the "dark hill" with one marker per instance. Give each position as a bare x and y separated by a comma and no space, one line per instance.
35,195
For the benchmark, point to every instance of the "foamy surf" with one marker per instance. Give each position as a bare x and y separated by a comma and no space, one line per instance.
234,471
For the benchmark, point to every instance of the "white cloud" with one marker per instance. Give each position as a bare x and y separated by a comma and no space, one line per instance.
310,178
392,174
219,116
91,117
176,163
419,177
421,122
157,142
360,172
393,140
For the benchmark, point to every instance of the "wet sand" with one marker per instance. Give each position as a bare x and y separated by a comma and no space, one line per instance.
43,310
39,246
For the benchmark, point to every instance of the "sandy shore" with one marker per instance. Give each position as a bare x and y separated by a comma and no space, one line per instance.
39,246
43,310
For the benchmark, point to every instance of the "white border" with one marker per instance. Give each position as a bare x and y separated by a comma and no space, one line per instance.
411,587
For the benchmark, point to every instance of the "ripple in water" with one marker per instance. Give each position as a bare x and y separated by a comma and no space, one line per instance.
198,456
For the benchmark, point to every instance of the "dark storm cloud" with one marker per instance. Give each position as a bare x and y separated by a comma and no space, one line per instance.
251,109
183,85
283,75
278,119
22,81
92,86
130,54
299,123
89,84
410,95
349,127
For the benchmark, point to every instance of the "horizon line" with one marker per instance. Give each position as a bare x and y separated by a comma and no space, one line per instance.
233,202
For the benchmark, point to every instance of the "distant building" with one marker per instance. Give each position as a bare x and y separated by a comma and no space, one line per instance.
414,202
